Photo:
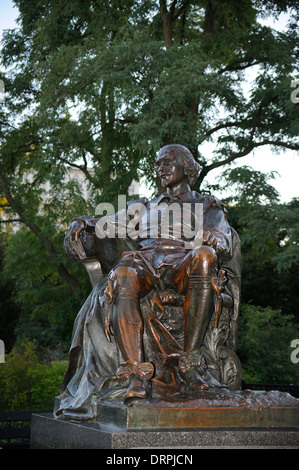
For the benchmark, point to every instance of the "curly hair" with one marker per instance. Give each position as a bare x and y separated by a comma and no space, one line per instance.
191,167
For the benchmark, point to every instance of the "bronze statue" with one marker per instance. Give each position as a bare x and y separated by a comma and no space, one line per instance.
162,316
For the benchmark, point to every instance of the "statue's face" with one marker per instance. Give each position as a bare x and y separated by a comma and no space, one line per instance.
169,169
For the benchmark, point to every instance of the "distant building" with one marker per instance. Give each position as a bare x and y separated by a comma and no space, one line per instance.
72,173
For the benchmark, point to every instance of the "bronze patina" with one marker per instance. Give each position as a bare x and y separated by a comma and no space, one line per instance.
162,317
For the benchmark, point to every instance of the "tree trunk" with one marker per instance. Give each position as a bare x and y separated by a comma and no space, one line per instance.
167,20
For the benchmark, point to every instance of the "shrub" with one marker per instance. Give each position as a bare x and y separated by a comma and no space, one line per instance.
25,383
264,345
46,380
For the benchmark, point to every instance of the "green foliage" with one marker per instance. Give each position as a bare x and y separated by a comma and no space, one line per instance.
269,233
107,83
249,187
45,384
9,309
27,384
263,347
47,305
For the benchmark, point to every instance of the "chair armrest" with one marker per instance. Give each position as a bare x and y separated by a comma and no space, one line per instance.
94,270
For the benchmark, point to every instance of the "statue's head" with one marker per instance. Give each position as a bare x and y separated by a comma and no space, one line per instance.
185,159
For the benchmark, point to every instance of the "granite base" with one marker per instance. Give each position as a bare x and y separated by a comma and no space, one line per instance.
219,419
49,433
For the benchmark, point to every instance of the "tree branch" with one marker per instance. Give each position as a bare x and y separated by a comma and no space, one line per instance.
169,17
221,126
231,68
167,24
247,150
10,221
172,8
256,120
163,6
278,143
234,156
251,145
83,168
181,9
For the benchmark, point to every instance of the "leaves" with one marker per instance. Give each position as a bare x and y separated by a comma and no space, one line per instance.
102,86
27,384
269,231
265,337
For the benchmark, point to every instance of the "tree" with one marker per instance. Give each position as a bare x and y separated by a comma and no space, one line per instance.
264,346
46,306
269,232
103,84
142,74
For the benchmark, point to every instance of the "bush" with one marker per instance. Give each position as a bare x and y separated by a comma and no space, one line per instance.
264,345
25,383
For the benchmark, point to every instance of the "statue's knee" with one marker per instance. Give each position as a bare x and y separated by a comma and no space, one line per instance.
125,276
205,252
204,257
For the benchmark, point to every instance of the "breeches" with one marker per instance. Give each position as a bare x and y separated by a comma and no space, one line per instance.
136,274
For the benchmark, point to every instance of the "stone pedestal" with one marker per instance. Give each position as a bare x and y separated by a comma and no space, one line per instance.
48,433
248,419
210,409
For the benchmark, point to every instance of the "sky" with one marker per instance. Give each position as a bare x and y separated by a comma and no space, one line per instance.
286,164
